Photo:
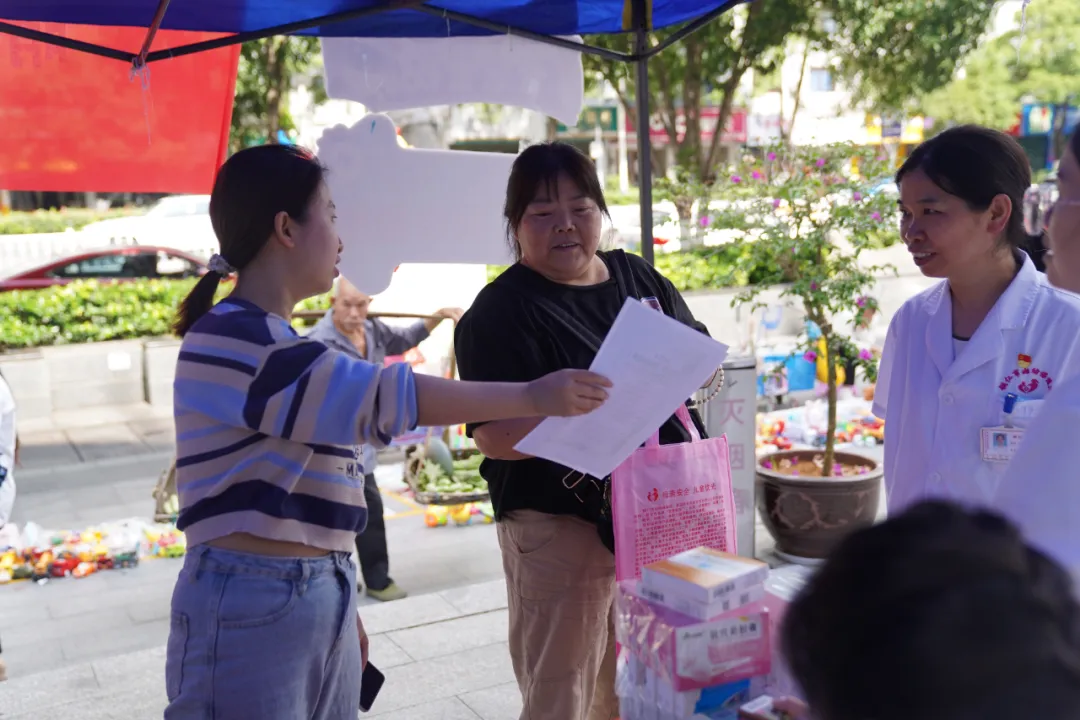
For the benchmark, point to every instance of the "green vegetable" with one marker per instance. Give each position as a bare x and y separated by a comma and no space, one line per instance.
466,477
469,464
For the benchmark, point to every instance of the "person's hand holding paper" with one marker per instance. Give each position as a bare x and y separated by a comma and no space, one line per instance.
654,364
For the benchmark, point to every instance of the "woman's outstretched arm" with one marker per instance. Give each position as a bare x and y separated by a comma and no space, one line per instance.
454,402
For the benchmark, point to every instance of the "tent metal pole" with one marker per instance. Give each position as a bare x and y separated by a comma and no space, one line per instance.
503,29
67,43
286,29
644,147
140,59
692,27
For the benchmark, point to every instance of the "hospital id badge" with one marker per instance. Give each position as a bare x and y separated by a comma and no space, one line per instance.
999,444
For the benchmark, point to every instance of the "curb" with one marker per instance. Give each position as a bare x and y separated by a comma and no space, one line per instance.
163,456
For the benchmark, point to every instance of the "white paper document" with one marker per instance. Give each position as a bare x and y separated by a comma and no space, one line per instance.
654,363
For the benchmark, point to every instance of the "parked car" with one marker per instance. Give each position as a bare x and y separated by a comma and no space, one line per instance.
114,263
623,229
177,221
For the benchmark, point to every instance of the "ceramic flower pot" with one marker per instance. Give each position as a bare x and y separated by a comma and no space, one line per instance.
808,514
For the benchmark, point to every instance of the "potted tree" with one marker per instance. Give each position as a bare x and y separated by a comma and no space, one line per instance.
804,217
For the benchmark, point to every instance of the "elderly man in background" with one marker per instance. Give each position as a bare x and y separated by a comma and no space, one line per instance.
347,327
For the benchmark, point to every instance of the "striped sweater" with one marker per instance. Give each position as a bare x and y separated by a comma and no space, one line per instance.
269,427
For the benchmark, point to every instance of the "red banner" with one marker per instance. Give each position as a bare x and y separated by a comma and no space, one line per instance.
80,123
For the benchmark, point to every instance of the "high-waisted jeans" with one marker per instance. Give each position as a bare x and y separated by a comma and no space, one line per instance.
263,637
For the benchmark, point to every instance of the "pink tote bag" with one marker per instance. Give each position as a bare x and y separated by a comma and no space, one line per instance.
666,499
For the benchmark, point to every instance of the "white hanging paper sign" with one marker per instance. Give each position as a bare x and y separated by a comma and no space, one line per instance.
401,73
405,205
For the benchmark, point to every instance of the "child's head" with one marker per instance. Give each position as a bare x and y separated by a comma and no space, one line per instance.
273,215
937,614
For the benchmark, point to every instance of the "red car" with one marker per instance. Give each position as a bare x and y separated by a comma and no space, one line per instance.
116,263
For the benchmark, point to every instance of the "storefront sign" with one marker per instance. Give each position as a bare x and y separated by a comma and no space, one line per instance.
891,130
1039,119
735,130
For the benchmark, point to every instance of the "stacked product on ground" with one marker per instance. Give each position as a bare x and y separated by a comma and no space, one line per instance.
697,636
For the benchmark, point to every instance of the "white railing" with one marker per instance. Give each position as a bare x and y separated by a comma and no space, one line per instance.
22,252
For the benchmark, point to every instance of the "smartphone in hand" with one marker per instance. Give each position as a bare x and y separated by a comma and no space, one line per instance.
370,684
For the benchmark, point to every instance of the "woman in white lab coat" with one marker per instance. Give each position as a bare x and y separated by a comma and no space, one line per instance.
1041,490
993,336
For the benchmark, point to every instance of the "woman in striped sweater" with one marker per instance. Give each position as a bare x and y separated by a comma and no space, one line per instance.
269,475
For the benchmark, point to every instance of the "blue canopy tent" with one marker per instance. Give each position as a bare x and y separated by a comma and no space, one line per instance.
244,20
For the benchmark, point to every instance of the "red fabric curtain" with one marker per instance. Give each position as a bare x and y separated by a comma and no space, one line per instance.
74,122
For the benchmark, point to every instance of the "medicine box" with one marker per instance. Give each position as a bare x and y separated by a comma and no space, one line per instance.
704,611
691,654
644,695
706,582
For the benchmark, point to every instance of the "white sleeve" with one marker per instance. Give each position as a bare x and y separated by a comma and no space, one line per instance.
7,500
7,452
1038,491
885,367
7,426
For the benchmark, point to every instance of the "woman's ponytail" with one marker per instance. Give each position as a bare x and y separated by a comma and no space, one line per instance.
250,189
197,303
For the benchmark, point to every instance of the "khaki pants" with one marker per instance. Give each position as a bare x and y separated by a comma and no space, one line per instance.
560,582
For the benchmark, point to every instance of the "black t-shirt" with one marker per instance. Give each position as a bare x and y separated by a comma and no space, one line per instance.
506,337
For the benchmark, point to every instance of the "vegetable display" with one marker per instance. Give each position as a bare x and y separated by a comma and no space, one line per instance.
432,478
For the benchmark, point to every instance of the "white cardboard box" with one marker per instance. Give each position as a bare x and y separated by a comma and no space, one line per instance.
704,582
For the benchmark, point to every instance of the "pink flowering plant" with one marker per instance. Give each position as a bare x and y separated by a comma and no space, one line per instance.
804,217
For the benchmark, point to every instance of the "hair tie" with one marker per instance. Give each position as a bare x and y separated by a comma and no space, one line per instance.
220,265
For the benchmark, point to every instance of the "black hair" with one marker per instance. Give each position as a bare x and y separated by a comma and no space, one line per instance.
251,188
977,164
939,614
539,167
1074,143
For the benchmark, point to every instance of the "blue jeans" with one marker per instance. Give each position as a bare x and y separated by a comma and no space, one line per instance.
263,637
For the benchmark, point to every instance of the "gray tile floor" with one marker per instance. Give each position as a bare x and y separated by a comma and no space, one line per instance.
444,656
94,648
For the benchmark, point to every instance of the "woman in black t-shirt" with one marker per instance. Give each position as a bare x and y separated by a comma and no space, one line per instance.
549,311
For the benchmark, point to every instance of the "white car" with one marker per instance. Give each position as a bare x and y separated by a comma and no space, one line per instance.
623,230
178,221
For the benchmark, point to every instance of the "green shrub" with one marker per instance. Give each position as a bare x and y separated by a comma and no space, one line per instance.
52,221
91,311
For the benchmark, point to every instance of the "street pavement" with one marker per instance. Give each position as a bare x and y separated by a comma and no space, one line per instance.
94,648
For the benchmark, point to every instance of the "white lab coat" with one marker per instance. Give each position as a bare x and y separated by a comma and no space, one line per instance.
7,452
1041,488
934,405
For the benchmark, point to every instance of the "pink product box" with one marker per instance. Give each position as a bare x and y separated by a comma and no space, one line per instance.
692,654
701,610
